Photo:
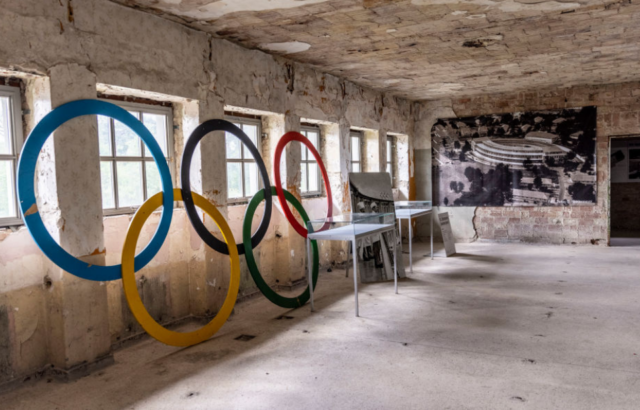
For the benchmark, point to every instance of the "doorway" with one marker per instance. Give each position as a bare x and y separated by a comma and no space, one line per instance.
624,216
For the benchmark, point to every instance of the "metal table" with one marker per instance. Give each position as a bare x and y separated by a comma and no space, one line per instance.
350,233
409,215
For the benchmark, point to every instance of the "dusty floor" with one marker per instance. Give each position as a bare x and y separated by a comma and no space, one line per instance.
495,327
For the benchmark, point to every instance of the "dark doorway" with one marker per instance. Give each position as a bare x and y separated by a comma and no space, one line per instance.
625,191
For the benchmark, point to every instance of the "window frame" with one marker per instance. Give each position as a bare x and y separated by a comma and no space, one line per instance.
359,135
15,98
236,119
114,159
320,191
391,154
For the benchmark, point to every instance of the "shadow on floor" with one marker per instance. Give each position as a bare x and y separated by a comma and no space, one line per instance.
625,238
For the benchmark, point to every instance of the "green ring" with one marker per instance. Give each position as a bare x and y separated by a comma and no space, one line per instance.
266,290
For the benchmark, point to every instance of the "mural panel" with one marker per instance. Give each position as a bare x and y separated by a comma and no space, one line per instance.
537,158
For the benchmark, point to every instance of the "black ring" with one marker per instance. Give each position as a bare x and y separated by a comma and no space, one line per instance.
189,148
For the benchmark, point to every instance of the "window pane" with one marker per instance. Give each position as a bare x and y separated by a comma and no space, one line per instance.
154,184
7,195
313,137
313,177
106,179
355,167
234,180
303,152
252,133
129,184
127,142
104,134
233,145
303,177
157,124
389,146
6,132
355,149
250,178
389,170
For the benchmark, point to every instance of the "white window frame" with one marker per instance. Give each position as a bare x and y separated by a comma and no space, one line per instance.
356,134
248,121
18,139
311,160
142,108
391,158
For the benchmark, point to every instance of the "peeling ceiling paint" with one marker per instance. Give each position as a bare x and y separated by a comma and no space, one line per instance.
214,9
289,47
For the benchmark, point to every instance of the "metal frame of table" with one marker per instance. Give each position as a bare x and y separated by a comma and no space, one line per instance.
400,215
350,233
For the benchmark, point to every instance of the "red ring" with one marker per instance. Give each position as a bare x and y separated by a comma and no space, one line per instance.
287,138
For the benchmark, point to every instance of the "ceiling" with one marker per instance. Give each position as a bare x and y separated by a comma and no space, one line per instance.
431,49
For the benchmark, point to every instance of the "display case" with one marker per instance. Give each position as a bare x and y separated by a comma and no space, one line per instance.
411,208
351,227
348,226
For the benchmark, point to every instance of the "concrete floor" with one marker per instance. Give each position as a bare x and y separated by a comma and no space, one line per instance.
495,327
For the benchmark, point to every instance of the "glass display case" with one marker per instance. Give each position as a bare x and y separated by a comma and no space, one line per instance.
410,210
351,227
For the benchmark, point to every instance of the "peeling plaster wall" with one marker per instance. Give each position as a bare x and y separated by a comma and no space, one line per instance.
122,49
618,114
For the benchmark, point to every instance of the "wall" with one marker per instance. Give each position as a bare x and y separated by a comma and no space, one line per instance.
95,45
618,114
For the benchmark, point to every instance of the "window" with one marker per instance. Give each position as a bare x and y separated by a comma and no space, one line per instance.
390,158
310,183
128,172
356,151
243,180
10,145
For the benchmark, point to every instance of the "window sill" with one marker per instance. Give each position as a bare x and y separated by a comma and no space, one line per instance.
313,196
238,203
12,225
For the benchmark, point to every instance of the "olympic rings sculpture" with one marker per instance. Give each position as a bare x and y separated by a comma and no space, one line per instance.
131,262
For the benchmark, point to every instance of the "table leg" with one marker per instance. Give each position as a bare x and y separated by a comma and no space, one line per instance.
310,273
432,234
400,229
410,246
355,274
347,274
395,261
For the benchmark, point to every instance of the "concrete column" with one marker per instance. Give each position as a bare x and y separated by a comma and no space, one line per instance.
297,245
70,178
371,155
382,149
274,253
404,164
209,274
338,165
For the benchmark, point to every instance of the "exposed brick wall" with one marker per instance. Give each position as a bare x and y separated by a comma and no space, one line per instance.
625,198
618,114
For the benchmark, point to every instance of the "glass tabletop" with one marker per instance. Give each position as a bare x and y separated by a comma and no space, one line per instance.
351,224
410,208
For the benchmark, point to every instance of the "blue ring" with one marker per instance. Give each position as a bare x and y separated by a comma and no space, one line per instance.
27,199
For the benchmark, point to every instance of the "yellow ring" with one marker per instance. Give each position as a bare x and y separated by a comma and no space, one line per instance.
147,322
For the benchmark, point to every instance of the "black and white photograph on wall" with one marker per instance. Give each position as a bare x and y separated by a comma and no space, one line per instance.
536,158
371,192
